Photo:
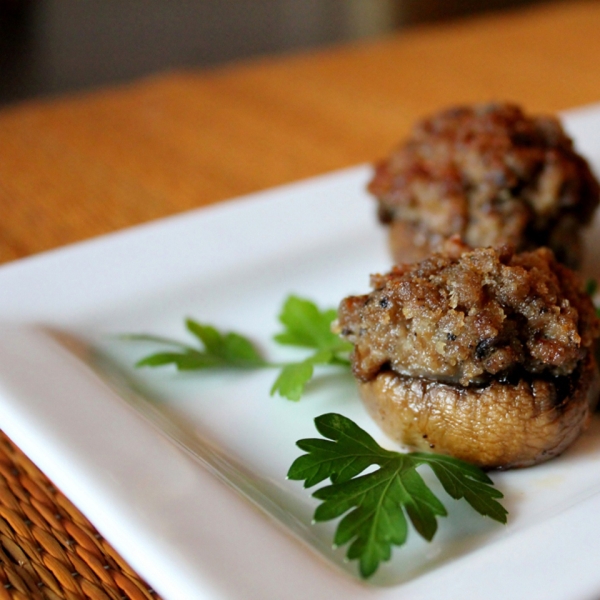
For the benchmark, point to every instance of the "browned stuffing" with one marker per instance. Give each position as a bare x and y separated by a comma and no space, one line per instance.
491,174
486,354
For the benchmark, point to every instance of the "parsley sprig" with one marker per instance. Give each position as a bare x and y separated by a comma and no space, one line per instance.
217,350
305,325
376,504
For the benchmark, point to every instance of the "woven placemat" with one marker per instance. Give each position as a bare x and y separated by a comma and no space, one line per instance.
48,549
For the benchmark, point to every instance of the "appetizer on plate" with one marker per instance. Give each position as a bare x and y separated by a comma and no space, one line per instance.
485,354
492,175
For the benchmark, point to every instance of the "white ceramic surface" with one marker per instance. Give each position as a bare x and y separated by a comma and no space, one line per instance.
185,474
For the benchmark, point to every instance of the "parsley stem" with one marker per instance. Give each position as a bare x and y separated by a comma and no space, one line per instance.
144,337
339,361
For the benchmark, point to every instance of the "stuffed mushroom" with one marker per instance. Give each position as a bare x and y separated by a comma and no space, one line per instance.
492,175
485,354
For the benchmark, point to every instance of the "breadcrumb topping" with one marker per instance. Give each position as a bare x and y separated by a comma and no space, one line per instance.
469,316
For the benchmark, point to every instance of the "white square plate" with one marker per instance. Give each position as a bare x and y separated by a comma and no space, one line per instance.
185,474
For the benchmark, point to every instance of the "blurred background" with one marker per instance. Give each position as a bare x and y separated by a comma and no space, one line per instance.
49,47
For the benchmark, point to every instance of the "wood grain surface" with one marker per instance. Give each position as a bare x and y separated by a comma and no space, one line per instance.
76,167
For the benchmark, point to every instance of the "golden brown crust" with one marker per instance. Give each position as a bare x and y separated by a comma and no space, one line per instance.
490,174
465,316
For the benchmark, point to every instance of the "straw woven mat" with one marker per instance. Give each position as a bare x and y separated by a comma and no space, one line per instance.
48,549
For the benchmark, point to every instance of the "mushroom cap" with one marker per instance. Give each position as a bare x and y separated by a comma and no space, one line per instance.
499,425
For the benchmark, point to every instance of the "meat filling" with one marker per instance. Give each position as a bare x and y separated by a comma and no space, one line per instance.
470,316
490,174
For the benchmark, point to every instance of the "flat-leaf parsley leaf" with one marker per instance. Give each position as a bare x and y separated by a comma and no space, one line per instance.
375,506
305,325
217,350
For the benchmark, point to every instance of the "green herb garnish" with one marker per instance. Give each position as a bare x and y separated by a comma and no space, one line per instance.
304,325
217,350
376,505
591,287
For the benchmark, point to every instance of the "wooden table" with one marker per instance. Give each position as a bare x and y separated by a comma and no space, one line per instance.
76,167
